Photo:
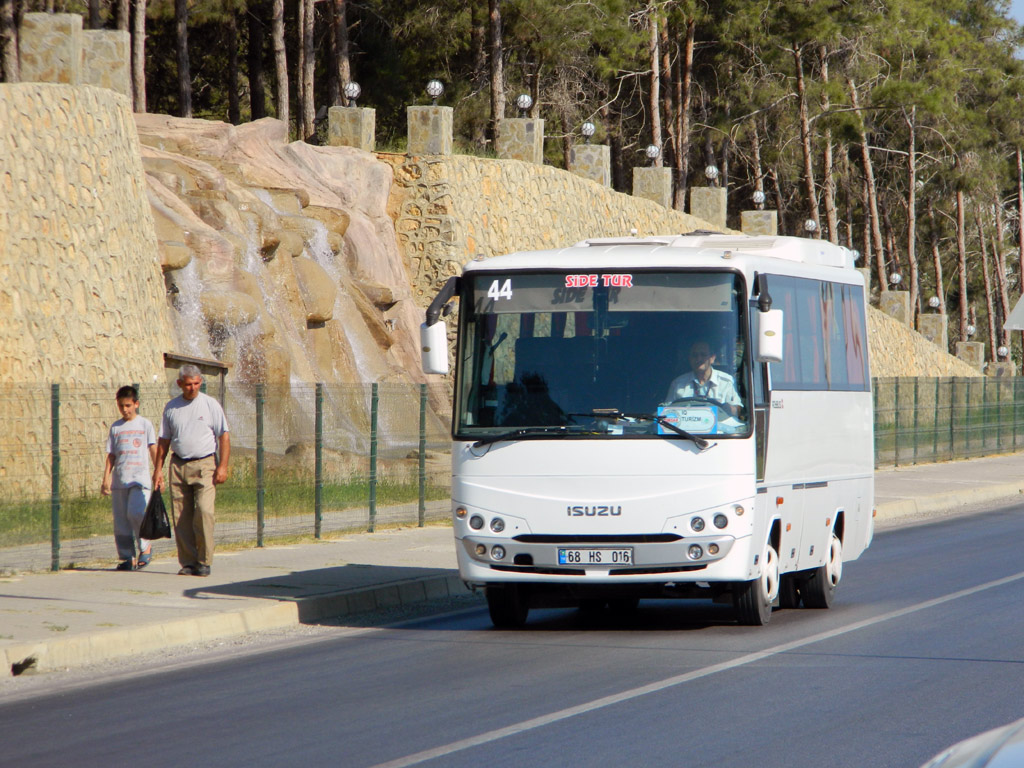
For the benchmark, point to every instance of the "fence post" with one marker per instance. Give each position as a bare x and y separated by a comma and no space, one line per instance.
969,415
952,414
318,491
1016,381
917,405
260,400
373,458
55,477
935,421
423,455
874,406
896,424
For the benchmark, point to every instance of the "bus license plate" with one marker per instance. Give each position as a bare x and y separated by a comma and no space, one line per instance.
594,556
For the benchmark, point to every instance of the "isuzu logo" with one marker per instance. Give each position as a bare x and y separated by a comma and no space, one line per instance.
597,510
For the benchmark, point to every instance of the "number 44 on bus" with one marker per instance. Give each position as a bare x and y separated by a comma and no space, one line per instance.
667,417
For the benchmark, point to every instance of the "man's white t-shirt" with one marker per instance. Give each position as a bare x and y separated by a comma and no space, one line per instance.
193,426
721,386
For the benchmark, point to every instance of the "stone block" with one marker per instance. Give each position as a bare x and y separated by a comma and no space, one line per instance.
759,222
935,328
430,130
972,353
50,45
352,127
896,304
106,55
592,161
866,273
709,204
521,138
1004,369
653,184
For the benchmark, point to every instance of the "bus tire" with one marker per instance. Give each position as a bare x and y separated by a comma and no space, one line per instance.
789,591
753,599
820,588
507,605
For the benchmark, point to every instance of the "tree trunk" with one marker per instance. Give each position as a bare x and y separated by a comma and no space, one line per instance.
124,10
343,61
913,277
478,46
8,42
184,76
139,56
828,184
94,15
280,61
664,45
684,96
654,96
872,196
805,140
961,257
257,86
1020,226
779,200
497,69
940,290
234,116
986,276
306,72
1002,290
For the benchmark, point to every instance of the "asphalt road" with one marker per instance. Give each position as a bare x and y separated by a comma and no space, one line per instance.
922,648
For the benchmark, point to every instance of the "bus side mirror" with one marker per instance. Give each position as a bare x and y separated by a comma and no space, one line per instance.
769,336
434,347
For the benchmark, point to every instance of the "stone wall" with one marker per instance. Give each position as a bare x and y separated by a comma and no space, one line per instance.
896,350
81,292
449,209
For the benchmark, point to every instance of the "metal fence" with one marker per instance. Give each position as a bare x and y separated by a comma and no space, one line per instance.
305,460
921,420
312,459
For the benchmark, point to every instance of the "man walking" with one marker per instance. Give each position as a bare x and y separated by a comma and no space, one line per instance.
195,430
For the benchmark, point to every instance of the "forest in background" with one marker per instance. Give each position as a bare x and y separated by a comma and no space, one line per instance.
894,127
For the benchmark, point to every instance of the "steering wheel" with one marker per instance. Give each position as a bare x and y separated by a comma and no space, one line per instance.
701,399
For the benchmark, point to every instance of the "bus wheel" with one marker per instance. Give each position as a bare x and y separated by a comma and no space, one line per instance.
820,589
508,606
789,591
753,599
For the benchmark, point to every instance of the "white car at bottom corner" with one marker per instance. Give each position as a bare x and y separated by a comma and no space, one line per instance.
1001,747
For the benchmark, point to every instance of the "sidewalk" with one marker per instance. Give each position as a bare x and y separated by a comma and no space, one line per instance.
50,621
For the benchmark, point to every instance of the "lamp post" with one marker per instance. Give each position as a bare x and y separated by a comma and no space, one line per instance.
1002,352
711,174
587,129
758,198
524,101
895,279
934,302
652,152
353,92
434,90
810,226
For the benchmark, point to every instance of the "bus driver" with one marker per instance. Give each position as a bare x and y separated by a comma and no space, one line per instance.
703,380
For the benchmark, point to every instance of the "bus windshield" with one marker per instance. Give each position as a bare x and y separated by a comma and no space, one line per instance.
603,354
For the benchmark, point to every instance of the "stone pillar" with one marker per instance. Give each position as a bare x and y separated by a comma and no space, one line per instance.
1003,369
972,353
935,328
430,130
592,161
50,45
896,304
352,127
106,60
653,184
521,138
759,222
866,272
709,203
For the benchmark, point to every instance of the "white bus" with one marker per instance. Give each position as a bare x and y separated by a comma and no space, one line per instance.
594,464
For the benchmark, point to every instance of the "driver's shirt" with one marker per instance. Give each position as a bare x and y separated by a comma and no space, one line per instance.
721,386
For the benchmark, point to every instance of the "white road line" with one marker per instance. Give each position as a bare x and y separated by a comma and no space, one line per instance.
669,682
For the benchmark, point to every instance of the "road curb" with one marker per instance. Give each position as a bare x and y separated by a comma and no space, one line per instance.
948,503
81,650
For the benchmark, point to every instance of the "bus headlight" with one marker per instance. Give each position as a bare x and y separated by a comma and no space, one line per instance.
476,522
497,525
721,520
695,552
481,549
697,524
738,509
712,549
498,552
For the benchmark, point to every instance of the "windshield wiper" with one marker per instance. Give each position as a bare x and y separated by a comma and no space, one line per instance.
615,413
559,431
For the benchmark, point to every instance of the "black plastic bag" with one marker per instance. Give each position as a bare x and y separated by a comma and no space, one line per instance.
155,524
